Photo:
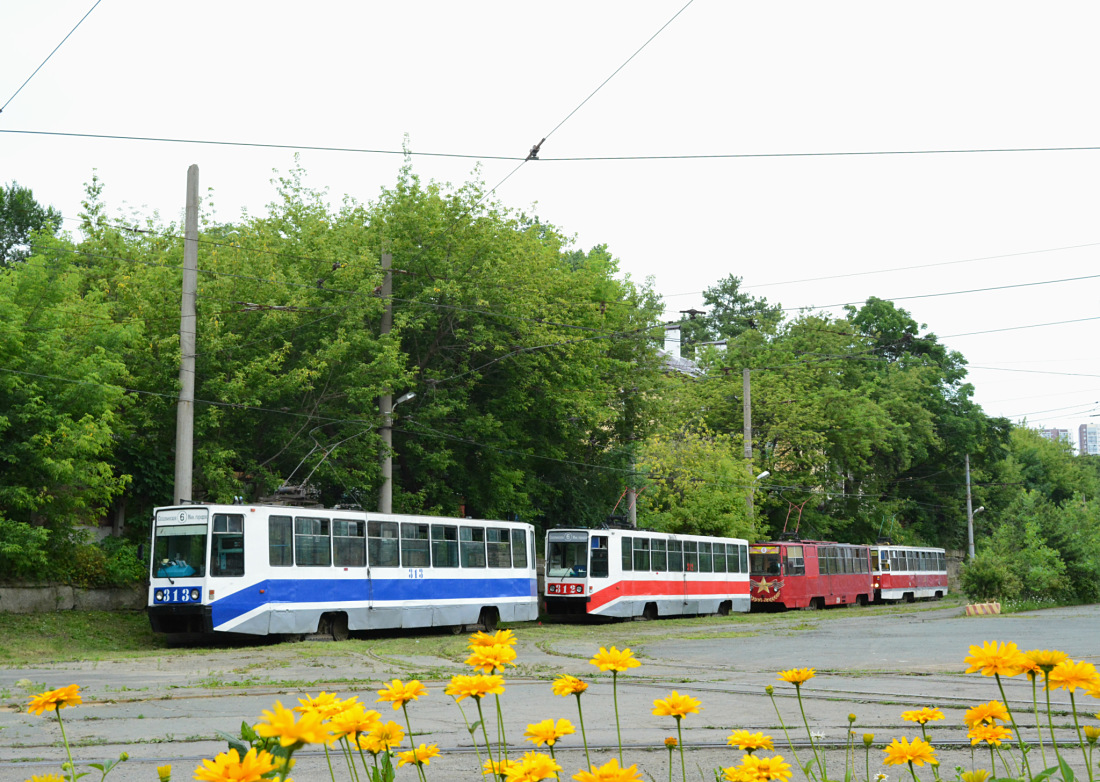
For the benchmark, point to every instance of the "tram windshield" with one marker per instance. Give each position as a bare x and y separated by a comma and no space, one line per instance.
179,550
567,558
764,561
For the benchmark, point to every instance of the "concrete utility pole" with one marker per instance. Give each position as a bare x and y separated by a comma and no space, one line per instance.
746,393
185,409
385,404
969,513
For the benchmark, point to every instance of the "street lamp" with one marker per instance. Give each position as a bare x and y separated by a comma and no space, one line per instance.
752,490
385,495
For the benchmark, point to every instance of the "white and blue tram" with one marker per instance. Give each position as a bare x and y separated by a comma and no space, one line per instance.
271,570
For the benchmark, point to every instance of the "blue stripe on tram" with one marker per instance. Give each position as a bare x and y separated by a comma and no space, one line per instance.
334,591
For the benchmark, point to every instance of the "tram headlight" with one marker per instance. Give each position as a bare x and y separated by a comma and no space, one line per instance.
158,595
195,595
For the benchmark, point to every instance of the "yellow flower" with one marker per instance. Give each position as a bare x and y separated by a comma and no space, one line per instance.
991,734
569,685
609,772
308,729
797,676
476,687
1046,659
918,752
354,720
547,731
671,742
533,767
986,712
749,742
491,658
231,767
1069,675
421,756
500,769
1092,733
47,778
399,693
755,768
499,638
165,773
55,699
614,660
326,704
868,739
382,737
922,716
977,775
993,658
675,705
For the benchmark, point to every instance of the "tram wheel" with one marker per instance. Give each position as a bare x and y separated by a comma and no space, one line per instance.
725,608
338,627
488,619
650,611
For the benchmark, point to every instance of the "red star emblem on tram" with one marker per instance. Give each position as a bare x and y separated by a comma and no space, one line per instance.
763,587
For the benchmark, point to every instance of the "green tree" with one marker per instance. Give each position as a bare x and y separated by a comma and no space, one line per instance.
20,217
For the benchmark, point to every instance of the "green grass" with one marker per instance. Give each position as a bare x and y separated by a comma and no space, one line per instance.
64,636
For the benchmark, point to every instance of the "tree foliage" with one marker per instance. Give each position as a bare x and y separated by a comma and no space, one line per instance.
20,217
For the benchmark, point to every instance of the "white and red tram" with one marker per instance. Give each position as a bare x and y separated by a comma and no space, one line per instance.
908,573
623,573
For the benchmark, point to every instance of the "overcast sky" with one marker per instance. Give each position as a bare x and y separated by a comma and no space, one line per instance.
722,79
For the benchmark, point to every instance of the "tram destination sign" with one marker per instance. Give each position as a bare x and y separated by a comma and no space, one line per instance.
569,537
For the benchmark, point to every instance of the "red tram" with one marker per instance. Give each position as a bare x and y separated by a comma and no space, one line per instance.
809,574
908,573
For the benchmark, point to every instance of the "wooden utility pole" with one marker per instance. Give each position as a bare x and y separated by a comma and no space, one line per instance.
185,409
385,404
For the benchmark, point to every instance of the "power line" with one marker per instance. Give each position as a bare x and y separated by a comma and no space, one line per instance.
1018,328
576,159
1038,371
48,56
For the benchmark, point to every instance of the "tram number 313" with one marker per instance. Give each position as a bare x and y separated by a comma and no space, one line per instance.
416,572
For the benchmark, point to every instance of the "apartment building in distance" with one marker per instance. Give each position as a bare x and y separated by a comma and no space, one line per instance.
1088,439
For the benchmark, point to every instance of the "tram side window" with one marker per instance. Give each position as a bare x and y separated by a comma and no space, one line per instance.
941,561
691,557
704,556
658,556
849,560
641,553
675,556
744,559
519,549
628,556
598,565
832,560
796,562
382,544
733,558
280,541
864,557
445,545
227,551
415,546
311,542
500,547
471,544
716,556
719,558
349,543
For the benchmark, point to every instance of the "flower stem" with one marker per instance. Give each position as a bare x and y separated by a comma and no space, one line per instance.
783,725
584,738
1080,740
412,743
615,696
806,722
485,733
913,773
1015,727
65,739
867,762
500,724
1035,708
683,765
935,768
1050,721
477,749
328,759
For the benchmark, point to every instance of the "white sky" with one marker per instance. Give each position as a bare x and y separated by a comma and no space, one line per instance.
492,78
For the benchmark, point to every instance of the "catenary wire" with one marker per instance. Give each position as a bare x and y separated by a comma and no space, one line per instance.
48,56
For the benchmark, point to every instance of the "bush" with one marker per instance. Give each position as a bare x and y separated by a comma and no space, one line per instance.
989,577
23,550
